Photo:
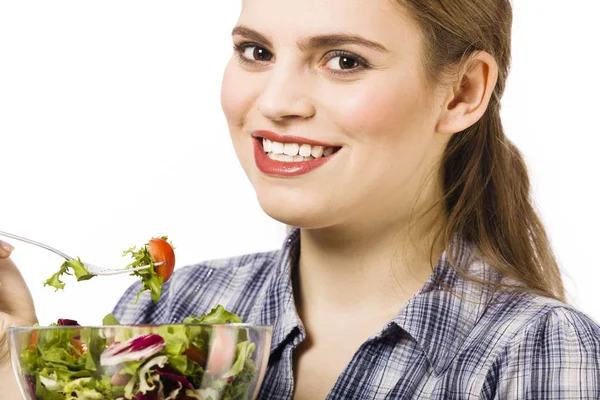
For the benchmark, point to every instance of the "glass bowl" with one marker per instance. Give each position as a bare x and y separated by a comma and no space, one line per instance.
142,362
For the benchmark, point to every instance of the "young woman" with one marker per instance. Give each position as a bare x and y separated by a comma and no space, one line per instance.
417,267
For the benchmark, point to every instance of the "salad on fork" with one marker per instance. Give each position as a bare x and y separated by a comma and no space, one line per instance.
153,263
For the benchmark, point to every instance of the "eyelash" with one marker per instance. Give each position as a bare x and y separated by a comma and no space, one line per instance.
239,50
362,63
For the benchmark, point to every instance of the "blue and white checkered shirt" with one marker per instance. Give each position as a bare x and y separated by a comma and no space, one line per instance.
453,340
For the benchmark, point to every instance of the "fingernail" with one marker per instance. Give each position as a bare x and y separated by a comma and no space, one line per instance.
6,246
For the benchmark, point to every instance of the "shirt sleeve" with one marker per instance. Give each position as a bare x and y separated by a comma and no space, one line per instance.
556,357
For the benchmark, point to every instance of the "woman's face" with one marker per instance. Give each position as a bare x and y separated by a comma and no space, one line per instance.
345,74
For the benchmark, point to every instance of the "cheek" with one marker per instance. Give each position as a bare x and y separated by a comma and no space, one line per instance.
236,96
236,101
381,113
388,126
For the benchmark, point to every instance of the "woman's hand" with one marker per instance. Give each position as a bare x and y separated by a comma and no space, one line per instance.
16,309
5,249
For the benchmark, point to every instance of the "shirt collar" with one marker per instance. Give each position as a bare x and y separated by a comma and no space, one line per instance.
277,307
442,314
439,317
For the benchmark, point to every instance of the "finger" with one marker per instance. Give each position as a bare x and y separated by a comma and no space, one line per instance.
15,297
5,249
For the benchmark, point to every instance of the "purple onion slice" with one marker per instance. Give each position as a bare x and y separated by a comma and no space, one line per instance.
137,349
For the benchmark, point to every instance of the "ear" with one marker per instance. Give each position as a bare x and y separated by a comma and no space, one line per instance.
466,101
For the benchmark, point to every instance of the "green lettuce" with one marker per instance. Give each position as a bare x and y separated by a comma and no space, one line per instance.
59,371
110,319
78,269
218,315
150,280
176,338
85,388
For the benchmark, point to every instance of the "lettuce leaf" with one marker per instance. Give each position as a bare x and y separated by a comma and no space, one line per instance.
110,319
218,315
243,352
79,270
83,388
150,280
96,343
176,337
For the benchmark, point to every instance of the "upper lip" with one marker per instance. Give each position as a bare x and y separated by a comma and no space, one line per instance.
275,137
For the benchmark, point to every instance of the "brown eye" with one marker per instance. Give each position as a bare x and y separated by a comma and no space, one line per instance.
344,62
348,63
261,54
251,52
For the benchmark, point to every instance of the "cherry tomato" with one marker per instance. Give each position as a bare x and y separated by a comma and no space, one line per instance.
161,251
33,340
80,348
221,355
196,354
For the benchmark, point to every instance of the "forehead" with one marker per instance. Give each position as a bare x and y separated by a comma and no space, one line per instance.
382,20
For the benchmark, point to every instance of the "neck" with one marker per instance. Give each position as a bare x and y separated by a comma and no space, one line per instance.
365,269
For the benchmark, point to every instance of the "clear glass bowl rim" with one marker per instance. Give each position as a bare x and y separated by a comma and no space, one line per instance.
19,329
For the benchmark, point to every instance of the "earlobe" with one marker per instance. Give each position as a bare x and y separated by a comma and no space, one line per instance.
466,101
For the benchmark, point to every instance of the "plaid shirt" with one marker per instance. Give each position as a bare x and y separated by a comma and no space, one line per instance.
453,340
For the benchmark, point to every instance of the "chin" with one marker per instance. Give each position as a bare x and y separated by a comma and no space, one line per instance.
295,211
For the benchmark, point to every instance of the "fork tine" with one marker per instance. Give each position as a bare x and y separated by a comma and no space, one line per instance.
106,272
95,270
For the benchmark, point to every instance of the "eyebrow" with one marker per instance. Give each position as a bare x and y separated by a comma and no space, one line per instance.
340,39
320,41
242,30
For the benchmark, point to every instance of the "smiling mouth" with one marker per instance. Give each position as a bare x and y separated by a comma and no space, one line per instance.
294,152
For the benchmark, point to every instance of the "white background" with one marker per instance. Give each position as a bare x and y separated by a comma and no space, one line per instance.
111,132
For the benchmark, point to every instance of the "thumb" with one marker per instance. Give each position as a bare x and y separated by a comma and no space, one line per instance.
5,249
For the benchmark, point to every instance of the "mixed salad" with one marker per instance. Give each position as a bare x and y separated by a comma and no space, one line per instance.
156,251
174,362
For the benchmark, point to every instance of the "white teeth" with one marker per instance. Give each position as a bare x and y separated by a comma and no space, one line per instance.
317,151
305,150
294,152
286,158
277,147
291,149
267,145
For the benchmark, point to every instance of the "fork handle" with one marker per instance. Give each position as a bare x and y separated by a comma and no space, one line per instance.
33,242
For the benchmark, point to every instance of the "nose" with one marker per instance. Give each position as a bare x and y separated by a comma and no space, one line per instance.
285,95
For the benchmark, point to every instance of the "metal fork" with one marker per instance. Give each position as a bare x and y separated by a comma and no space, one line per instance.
93,269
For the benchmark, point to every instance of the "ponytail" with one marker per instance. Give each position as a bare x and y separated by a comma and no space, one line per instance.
485,182
487,198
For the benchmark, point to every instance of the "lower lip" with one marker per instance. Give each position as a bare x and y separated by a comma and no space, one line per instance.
280,168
